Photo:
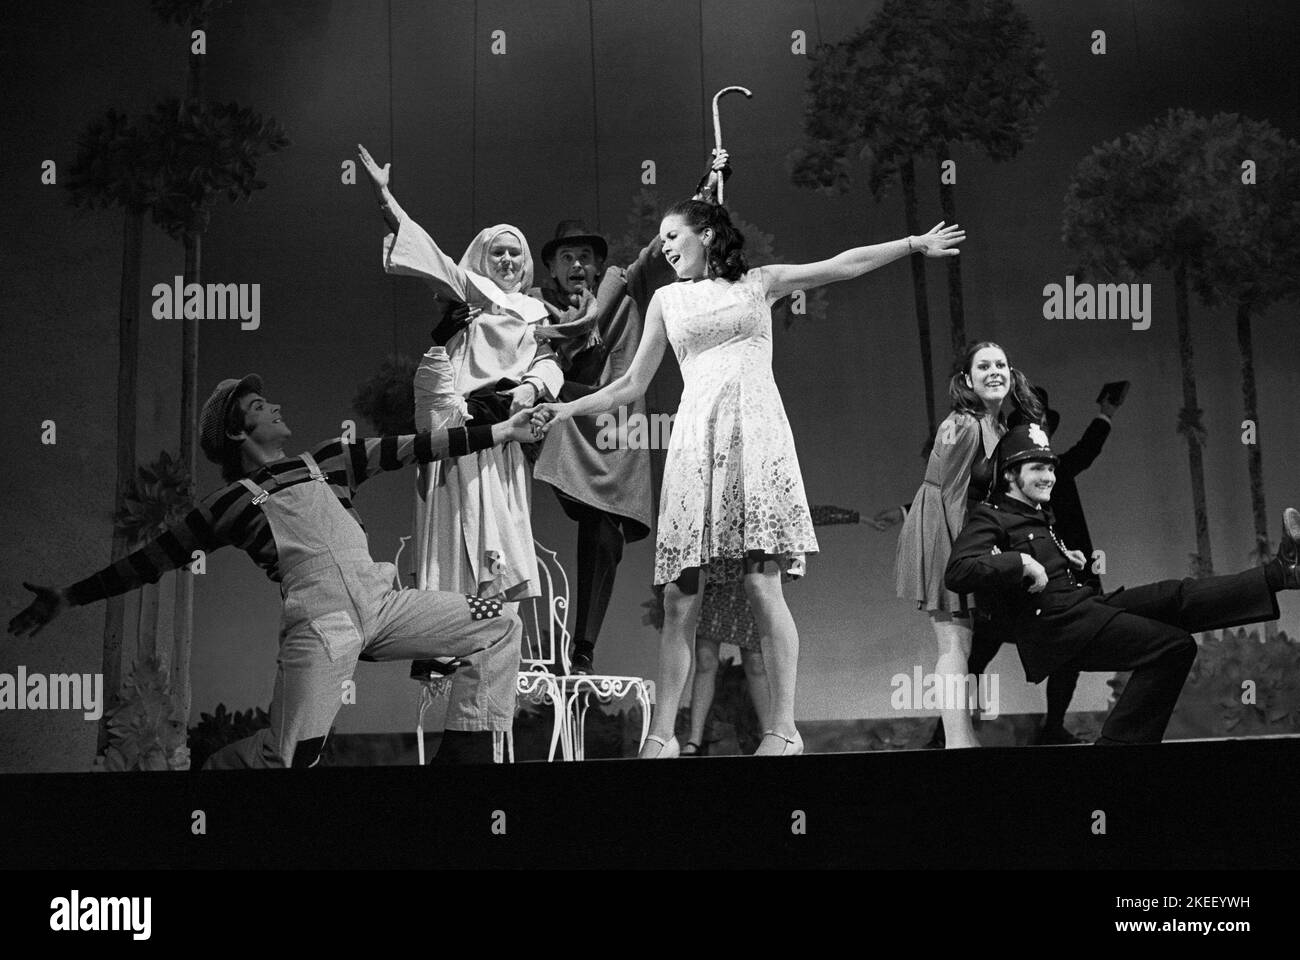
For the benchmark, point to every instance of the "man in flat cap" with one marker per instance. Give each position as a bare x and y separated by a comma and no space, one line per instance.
1028,582
293,515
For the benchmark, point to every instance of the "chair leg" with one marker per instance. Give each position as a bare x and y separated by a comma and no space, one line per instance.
580,725
419,723
557,724
643,698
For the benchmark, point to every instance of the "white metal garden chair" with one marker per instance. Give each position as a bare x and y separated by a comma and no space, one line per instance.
536,682
579,690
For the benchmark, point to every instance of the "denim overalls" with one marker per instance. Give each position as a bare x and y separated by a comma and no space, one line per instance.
341,606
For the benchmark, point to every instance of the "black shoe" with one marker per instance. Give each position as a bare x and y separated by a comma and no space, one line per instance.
464,746
434,669
1055,736
581,665
1288,551
937,739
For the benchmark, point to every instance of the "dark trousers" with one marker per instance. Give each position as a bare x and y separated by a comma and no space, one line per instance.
1152,637
985,644
600,548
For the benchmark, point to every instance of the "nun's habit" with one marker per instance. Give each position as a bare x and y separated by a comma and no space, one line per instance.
473,514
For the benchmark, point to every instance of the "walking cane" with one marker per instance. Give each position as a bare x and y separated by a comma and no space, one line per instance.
717,130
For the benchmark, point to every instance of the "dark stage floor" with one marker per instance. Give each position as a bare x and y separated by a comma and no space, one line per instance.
1230,804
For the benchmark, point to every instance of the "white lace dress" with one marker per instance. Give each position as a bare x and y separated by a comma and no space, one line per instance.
731,481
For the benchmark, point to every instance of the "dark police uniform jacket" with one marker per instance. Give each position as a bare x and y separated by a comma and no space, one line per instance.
1049,627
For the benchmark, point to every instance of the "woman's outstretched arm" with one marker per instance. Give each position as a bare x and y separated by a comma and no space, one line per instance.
625,389
379,177
409,249
785,278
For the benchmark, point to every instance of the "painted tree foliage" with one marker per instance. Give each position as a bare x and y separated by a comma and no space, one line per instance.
1172,196
1251,175
920,78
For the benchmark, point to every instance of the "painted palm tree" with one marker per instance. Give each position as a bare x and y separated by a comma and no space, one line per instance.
209,151
116,166
212,150
921,77
160,494
1137,203
1253,258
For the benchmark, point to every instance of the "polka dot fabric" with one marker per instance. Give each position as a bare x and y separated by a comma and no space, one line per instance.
481,609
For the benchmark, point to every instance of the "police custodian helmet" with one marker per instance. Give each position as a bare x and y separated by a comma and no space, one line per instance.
1022,444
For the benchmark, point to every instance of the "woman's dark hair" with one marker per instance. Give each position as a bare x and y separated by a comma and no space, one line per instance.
232,460
1025,405
725,255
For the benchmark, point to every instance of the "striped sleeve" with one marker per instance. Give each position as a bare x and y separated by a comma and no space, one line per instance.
200,529
366,457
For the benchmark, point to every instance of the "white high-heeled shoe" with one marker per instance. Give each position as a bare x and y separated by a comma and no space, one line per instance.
668,749
793,745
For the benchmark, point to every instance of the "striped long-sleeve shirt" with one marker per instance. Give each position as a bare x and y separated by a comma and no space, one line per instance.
229,516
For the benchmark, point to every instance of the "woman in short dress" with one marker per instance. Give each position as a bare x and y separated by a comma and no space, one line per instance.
986,393
732,506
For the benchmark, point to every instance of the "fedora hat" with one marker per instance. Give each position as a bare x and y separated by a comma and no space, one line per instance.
574,232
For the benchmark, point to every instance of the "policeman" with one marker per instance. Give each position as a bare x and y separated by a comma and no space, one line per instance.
1027,581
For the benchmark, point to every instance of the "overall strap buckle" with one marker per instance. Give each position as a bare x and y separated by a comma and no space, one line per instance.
313,468
259,495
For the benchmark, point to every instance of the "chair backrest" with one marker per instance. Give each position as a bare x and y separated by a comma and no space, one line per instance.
397,570
546,617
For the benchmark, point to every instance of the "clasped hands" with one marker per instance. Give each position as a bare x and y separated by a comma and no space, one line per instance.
546,415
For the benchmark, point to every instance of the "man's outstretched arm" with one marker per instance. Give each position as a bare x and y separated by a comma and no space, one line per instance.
172,549
369,456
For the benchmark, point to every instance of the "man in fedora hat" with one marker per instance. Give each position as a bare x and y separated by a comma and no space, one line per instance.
293,515
605,488
1027,581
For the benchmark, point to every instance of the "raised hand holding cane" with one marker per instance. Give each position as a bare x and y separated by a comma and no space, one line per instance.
717,131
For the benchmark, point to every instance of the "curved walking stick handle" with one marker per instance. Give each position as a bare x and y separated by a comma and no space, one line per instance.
717,127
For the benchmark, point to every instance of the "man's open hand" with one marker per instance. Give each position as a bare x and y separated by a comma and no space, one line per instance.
49,603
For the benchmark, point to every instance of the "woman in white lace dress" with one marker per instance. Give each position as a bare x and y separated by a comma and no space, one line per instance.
733,504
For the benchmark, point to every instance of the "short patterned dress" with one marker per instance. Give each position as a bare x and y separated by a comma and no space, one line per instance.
731,478
957,477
